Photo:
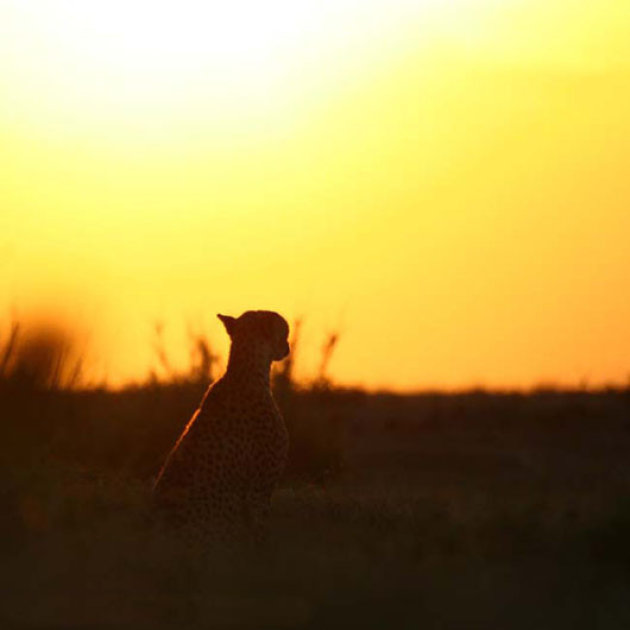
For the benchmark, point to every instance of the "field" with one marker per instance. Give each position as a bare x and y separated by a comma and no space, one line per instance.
471,510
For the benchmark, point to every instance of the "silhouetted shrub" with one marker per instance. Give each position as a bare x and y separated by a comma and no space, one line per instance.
40,356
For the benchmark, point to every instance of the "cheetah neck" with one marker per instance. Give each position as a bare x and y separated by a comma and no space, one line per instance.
248,368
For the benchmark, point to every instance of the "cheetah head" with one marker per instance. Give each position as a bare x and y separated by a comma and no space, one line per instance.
259,328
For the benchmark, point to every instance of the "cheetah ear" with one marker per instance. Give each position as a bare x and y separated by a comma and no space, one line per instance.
228,322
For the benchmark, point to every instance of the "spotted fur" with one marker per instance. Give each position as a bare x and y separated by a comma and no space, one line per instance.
218,478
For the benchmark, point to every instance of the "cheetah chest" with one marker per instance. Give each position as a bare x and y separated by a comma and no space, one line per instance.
250,440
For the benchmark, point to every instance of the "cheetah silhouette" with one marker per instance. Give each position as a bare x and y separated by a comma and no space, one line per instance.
218,479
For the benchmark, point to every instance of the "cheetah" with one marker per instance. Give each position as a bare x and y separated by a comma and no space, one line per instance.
219,477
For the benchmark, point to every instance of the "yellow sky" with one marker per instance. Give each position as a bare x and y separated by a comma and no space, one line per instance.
445,183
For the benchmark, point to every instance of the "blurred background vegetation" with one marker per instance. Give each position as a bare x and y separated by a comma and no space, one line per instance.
57,411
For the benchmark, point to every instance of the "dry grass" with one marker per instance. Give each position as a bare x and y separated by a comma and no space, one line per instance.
467,511
448,512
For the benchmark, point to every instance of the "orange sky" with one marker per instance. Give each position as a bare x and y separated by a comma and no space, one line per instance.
444,183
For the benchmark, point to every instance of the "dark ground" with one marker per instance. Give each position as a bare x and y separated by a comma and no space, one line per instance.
434,511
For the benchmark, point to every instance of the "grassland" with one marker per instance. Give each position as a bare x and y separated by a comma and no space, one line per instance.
477,510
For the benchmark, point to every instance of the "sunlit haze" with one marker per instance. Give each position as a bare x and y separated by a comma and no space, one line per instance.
444,184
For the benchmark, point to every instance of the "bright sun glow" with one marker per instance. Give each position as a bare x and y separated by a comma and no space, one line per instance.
241,61
246,65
